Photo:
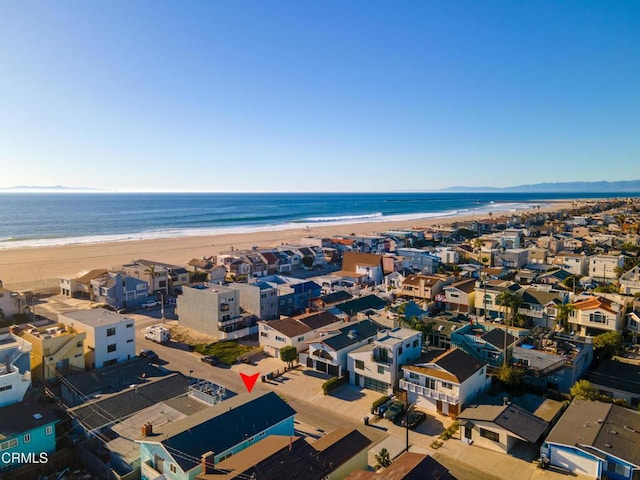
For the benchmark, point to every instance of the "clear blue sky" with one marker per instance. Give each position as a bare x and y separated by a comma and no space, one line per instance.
318,95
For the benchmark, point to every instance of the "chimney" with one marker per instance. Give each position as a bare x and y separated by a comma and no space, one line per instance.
147,429
206,462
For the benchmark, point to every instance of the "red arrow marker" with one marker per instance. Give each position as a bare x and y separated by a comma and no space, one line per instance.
249,380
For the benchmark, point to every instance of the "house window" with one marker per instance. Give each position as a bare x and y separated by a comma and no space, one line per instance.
489,434
5,387
48,430
431,383
400,351
111,332
380,369
129,325
279,339
8,444
300,339
172,468
130,340
26,438
413,376
618,469
111,348
264,334
447,385
359,364
597,317
415,343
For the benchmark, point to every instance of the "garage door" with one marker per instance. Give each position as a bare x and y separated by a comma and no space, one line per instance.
427,404
573,462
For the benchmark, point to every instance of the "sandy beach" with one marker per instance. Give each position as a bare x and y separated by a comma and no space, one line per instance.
38,268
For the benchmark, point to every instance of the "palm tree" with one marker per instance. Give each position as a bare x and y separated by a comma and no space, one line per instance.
151,271
509,301
562,317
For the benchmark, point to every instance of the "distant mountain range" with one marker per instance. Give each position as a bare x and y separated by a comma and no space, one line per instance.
49,188
568,187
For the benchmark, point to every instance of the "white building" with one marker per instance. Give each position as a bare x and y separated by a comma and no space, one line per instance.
15,368
447,384
11,302
376,366
630,281
110,337
447,255
603,268
575,263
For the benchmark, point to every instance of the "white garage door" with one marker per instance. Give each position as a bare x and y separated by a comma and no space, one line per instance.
428,404
574,462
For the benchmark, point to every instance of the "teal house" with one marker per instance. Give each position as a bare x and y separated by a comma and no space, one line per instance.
191,446
27,434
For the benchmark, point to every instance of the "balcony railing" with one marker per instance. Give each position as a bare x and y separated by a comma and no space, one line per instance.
380,359
428,392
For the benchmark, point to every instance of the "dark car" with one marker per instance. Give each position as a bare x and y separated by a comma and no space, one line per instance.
394,411
210,359
412,419
150,354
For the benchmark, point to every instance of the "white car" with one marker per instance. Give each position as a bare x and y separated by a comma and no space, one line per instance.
150,304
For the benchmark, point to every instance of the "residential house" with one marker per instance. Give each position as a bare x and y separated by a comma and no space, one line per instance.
617,379
486,342
330,457
328,353
604,268
155,275
538,307
15,370
447,384
574,263
272,261
216,273
362,268
408,466
420,260
214,310
447,255
552,360
538,255
110,337
512,258
596,315
294,331
630,281
487,294
80,287
119,291
351,309
235,263
55,351
503,428
330,299
179,450
442,326
553,278
375,366
422,287
258,298
11,303
458,297
27,431
596,440
177,275
294,296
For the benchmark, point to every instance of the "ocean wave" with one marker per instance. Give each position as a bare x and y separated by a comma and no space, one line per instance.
342,218
11,243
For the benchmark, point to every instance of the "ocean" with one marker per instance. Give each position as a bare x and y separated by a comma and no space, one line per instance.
42,219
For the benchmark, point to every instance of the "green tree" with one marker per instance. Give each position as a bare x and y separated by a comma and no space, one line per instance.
510,303
196,277
289,354
510,375
608,344
383,458
151,272
583,390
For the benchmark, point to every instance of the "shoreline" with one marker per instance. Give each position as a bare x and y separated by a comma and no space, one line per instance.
36,268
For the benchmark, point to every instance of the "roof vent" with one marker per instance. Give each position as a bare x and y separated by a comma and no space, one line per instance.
351,334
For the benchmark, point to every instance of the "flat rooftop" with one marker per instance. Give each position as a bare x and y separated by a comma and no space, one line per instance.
96,317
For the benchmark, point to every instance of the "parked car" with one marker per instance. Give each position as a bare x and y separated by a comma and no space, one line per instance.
150,354
210,359
394,411
412,419
150,304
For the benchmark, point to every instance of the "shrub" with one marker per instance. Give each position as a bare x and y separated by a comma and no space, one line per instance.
333,383
383,399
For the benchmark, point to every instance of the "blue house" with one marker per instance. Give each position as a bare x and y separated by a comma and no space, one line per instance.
27,433
597,440
178,450
120,290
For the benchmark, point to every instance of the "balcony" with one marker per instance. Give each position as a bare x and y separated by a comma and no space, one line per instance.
382,359
428,392
149,473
